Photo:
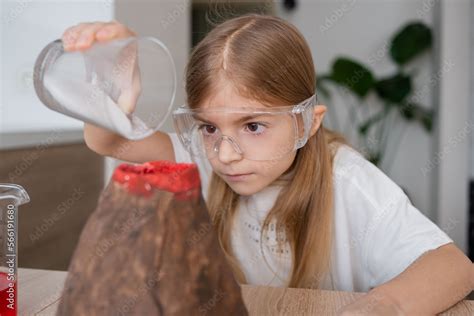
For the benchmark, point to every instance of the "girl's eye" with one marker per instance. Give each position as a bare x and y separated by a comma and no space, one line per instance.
255,128
207,129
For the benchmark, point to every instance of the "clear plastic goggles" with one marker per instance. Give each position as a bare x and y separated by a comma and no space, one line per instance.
264,133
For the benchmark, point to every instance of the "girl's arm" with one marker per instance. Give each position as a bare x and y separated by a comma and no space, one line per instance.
434,282
157,146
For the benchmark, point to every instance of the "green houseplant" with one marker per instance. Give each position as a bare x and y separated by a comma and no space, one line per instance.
394,92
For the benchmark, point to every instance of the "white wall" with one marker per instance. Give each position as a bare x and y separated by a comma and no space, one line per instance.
455,124
361,30
471,41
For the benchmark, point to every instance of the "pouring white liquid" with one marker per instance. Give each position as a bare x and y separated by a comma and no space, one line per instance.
91,104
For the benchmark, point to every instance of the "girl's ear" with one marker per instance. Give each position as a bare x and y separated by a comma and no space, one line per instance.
318,115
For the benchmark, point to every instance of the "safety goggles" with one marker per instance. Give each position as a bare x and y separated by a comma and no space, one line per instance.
263,133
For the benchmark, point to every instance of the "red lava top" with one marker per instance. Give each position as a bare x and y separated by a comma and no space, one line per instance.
164,175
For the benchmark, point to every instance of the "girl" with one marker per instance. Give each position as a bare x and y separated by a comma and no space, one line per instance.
293,205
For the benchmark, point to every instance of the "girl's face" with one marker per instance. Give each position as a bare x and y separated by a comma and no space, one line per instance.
244,176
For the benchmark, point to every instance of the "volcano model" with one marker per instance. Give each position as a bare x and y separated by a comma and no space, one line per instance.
150,249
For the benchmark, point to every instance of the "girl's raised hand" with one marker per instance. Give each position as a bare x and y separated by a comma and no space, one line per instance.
83,35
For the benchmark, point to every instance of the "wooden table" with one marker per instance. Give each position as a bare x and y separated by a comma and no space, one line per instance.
40,291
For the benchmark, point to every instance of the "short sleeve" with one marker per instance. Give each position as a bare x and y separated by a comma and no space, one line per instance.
396,237
180,153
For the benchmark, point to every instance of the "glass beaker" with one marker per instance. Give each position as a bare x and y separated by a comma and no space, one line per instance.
11,196
124,85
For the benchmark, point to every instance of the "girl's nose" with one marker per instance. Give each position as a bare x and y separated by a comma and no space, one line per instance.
228,150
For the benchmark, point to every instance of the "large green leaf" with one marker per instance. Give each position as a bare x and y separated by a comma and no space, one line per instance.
394,89
353,75
411,41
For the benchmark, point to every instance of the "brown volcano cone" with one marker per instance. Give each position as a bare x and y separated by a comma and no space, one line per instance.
150,249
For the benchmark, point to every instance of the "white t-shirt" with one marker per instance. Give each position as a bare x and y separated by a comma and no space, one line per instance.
378,233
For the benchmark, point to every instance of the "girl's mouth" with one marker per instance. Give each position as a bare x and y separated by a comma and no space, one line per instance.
238,177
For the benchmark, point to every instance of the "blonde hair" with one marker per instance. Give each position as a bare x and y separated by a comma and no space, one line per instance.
268,59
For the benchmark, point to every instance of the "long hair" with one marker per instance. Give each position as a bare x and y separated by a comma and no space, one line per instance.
267,59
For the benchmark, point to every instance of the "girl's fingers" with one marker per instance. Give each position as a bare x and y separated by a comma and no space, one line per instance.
83,35
87,36
70,36
113,30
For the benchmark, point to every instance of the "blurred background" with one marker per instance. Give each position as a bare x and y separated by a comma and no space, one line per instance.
395,74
